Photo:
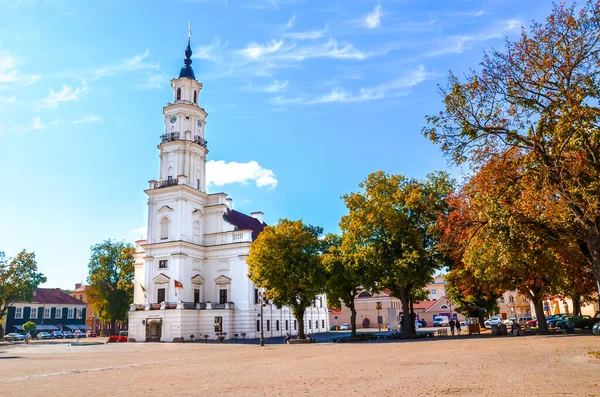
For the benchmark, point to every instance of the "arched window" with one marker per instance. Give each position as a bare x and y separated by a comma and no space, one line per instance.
164,228
195,96
178,93
444,307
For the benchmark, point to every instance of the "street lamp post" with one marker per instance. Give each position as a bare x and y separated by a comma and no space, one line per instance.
378,307
262,333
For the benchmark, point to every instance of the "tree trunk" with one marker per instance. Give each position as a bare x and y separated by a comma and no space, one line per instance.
413,318
113,326
404,298
481,318
538,305
298,312
353,318
593,243
576,305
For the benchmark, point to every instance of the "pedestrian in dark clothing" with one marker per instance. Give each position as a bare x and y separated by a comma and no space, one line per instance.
451,323
457,327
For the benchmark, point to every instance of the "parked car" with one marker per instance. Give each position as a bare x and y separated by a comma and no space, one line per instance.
552,323
44,335
596,329
493,321
91,334
532,323
68,335
345,327
525,320
509,321
57,335
123,333
441,321
581,322
14,337
422,323
79,334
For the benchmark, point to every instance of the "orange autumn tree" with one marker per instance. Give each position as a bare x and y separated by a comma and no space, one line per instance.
510,233
540,96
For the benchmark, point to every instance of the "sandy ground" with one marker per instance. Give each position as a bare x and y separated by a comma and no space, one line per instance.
489,366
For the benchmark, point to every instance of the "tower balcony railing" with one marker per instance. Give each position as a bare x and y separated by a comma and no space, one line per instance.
166,183
171,136
201,141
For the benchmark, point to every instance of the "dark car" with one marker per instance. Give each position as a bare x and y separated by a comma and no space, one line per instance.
581,322
57,335
68,335
559,317
422,323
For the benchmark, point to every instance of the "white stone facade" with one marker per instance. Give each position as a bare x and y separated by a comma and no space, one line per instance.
191,276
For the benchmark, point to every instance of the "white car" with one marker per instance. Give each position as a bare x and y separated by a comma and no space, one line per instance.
493,321
510,321
441,321
345,327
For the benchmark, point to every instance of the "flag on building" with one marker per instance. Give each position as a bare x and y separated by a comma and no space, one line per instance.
178,284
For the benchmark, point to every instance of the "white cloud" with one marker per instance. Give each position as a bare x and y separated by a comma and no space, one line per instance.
394,88
8,67
373,19
291,21
220,173
156,81
255,50
137,234
37,124
88,118
459,44
129,64
211,52
65,95
9,72
270,4
275,86
308,35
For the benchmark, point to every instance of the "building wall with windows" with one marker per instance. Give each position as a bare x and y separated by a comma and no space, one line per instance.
50,309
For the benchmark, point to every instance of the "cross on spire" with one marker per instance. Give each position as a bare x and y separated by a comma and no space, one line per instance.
189,31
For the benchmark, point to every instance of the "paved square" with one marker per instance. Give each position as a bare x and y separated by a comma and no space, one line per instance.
488,366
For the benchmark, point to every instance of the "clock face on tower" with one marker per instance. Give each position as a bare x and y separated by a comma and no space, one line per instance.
173,120
199,124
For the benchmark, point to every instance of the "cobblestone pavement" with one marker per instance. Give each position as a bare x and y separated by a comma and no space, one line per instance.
462,366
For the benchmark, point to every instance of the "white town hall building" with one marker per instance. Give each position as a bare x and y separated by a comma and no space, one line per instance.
191,276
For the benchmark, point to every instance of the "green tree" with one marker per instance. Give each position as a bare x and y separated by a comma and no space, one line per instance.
111,271
393,221
285,260
29,326
348,273
19,278
539,96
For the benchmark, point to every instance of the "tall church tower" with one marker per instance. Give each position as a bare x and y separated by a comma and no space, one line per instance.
183,148
177,199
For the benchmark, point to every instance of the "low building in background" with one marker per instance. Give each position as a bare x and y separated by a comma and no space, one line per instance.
92,320
366,305
50,309
436,289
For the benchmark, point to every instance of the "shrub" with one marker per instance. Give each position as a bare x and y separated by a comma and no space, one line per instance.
122,339
113,338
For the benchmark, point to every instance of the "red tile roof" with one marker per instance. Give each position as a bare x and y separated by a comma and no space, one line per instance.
54,295
424,305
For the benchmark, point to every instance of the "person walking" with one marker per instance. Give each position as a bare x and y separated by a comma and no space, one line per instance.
457,327
27,338
451,323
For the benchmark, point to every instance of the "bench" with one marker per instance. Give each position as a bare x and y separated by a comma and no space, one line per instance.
442,332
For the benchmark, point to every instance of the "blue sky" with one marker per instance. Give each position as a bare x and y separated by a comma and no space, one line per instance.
305,99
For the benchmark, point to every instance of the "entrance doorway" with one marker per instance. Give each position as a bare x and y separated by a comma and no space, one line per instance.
366,323
153,330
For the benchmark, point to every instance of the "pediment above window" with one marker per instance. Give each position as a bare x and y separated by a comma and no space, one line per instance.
222,280
161,279
197,280
165,208
198,212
